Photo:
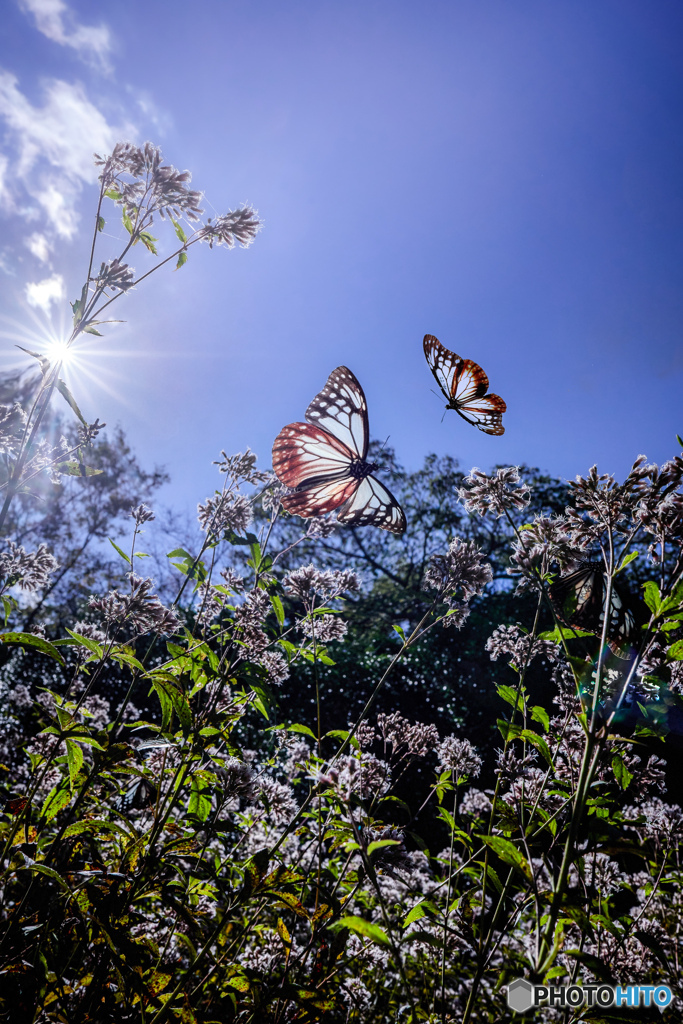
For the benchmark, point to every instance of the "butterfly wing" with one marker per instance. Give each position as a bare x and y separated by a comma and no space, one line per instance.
579,602
318,497
303,452
443,364
373,504
465,384
485,413
341,409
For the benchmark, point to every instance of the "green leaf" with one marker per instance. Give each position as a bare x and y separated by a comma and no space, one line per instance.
415,914
621,772
77,469
540,714
401,633
100,223
560,632
43,360
127,223
89,329
55,800
652,596
8,606
379,844
166,704
85,641
66,394
537,741
508,853
366,928
627,561
200,802
182,260
179,231
74,756
278,608
148,241
512,695
302,729
343,735
678,438
29,640
118,550
675,652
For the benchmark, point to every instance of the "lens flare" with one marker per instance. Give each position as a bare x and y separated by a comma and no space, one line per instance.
58,352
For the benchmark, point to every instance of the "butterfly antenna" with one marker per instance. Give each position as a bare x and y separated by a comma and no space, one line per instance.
444,414
384,444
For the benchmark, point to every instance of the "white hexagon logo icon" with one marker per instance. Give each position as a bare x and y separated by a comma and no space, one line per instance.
520,995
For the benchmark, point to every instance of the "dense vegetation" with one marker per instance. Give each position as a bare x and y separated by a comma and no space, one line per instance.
316,773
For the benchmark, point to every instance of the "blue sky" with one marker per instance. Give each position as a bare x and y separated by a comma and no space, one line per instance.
507,176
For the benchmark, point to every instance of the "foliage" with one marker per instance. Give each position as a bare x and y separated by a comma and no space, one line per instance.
189,848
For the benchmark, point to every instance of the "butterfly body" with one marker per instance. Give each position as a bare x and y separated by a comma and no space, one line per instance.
324,461
464,385
579,600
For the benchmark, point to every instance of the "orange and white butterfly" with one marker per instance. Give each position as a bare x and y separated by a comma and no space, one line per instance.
465,384
324,462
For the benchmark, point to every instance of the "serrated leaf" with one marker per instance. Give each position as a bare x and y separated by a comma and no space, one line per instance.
72,468
55,800
42,359
621,772
74,757
652,596
627,561
562,632
676,651
278,608
66,394
366,928
508,853
29,640
413,915
540,714
118,550
292,902
148,241
182,260
379,844
178,230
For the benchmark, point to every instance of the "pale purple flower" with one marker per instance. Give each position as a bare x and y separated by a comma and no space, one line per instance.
496,494
459,756
521,646
225,511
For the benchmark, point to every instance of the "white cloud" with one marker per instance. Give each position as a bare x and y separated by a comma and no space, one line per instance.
42,293
57,21
52,150
38,246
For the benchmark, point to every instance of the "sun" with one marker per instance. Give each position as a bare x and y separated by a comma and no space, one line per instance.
58,352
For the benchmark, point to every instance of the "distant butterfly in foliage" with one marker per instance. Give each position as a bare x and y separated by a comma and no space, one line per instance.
324,462
579,602
464,385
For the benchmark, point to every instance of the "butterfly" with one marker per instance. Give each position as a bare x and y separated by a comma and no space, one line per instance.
579,602
324,461
465,384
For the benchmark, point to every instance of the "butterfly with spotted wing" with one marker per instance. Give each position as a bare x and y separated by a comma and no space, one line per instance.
465,384
579,600
324,461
